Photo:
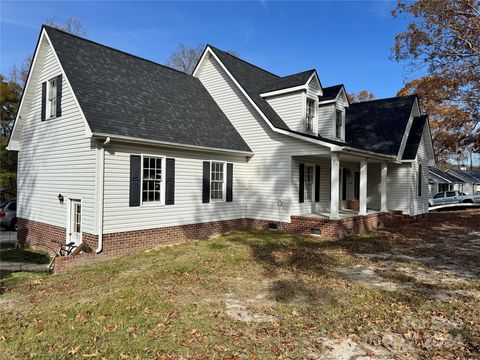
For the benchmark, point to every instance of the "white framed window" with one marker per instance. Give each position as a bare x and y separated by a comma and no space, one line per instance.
310,115
217,181
308,180
338,123
152,179
52,98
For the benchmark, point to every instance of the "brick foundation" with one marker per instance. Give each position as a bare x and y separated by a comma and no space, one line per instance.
49,237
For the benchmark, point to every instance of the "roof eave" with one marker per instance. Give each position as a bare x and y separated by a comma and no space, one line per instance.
136,140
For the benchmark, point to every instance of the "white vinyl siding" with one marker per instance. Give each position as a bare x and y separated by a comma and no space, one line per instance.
55,157
419,204
290,109
325,123
268,172
188,207
398,185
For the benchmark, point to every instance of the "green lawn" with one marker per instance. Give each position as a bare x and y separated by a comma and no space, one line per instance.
251,295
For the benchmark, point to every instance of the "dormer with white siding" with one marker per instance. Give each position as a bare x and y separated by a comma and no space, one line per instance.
295,99
331,112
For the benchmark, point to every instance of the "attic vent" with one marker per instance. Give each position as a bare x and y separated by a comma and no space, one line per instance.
272,226
316,232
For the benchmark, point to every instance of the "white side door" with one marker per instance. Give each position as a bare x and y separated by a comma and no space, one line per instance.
75,227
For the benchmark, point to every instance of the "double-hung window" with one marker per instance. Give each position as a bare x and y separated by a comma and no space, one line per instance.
217,180
152,179
52,98
308,183
338,123
310,115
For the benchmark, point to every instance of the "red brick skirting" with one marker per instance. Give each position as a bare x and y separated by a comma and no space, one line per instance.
49,237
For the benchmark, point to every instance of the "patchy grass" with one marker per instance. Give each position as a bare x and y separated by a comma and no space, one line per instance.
250,295
25,255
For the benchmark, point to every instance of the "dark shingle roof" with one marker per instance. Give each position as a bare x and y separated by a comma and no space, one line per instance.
289,81
121,94
330,92
254,81
469,176
414,137
444,176
378,125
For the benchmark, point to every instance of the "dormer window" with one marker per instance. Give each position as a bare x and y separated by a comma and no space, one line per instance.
338,123
310,115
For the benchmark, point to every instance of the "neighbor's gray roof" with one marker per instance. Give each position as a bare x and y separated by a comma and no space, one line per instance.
466,175
442,175
121,94
378,125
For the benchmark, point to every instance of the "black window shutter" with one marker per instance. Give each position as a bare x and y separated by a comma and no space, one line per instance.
44,100
317,183
135,178
301,179
229,183
206,182
59,95
170,182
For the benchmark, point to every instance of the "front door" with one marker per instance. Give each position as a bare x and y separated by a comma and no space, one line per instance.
75,234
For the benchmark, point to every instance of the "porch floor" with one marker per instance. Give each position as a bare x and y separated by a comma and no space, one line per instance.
343,213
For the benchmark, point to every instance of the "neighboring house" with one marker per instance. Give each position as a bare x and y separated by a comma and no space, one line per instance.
471,181
440,181
143,154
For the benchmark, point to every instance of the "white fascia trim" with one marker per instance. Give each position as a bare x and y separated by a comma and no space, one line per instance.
136,140
285,91
280,131
372,154
328,101
12,144
315,75
407,131
88,131
441,177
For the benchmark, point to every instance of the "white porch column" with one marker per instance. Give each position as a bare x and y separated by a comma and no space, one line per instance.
363,187
383,187
334,185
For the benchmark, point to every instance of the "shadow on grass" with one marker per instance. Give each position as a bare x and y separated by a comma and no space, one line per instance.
25,255
298,256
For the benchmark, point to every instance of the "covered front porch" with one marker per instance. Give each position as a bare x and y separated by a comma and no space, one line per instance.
338,185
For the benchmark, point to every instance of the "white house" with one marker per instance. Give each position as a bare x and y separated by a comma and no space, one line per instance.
143,154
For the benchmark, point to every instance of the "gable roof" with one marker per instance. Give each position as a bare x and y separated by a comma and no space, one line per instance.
443,176
472,177
289,81
253,80
330,92
124,95
378,125
414,138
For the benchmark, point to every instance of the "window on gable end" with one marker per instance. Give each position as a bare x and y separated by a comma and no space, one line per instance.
310,115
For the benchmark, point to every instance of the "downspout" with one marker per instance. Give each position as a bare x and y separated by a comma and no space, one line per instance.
101,173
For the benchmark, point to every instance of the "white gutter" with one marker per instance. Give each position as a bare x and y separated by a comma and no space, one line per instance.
370,153
169,144
101,181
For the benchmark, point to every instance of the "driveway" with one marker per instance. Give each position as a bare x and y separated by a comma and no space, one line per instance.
7,237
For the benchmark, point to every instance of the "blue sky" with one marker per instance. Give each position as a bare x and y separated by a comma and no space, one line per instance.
347,42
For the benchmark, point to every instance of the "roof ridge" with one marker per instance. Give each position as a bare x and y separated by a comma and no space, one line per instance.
331,86
246,62
297,73
114,49
383,99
